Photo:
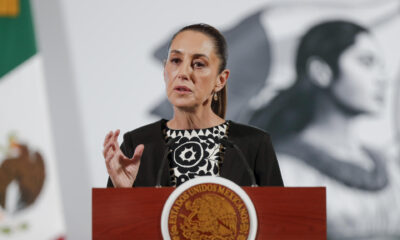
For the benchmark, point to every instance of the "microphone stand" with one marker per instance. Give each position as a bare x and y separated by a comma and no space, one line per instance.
228,143
164,159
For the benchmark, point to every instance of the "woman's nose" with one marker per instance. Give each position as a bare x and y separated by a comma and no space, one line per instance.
185,70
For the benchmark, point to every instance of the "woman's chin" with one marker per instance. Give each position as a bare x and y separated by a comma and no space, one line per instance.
184,105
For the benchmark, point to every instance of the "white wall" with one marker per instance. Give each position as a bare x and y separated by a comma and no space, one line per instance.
72,164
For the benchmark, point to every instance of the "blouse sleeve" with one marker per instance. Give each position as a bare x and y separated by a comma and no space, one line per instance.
267,169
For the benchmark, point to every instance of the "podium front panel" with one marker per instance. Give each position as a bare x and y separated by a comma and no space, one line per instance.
283,212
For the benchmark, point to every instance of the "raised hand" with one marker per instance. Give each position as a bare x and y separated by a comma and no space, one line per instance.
122,170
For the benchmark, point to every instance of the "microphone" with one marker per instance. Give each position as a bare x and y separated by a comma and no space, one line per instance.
231,144
164,159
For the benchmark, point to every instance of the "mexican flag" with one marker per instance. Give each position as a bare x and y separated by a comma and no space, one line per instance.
30,201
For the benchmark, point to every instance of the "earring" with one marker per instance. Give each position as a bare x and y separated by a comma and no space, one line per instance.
215,97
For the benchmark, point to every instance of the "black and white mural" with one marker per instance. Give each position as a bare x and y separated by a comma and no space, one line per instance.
323,78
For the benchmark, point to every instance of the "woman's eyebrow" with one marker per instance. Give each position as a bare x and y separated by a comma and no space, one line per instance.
199,55
195,55
176,51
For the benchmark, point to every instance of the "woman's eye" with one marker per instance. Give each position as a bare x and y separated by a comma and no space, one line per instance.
175,60
198,64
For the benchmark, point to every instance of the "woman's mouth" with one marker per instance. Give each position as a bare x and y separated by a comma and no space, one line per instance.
182,89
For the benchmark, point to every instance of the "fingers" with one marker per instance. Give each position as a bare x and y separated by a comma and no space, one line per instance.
115,137
111,136
138,152
107,148
112,151
108,136
108,159
110,144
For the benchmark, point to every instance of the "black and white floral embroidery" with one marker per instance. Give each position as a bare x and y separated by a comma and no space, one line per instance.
195,152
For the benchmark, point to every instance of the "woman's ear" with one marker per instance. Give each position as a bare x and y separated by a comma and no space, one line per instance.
221,80
320,72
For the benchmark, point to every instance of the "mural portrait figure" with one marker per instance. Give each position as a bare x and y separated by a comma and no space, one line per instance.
340,76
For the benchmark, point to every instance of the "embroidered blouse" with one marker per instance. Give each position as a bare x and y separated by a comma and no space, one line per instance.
195,152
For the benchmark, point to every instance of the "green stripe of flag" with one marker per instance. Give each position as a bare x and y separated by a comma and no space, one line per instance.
17,38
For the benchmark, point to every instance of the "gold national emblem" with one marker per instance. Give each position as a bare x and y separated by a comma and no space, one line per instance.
9,8
208,211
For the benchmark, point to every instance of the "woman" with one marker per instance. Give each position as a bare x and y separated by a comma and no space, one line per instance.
339,78
195,76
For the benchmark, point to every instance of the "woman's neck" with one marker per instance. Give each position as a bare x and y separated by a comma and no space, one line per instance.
331,131
331,126
201,118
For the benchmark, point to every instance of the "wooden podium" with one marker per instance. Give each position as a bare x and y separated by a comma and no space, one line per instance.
283,212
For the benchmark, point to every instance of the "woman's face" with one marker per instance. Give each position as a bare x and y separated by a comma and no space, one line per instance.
361,84
191,71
